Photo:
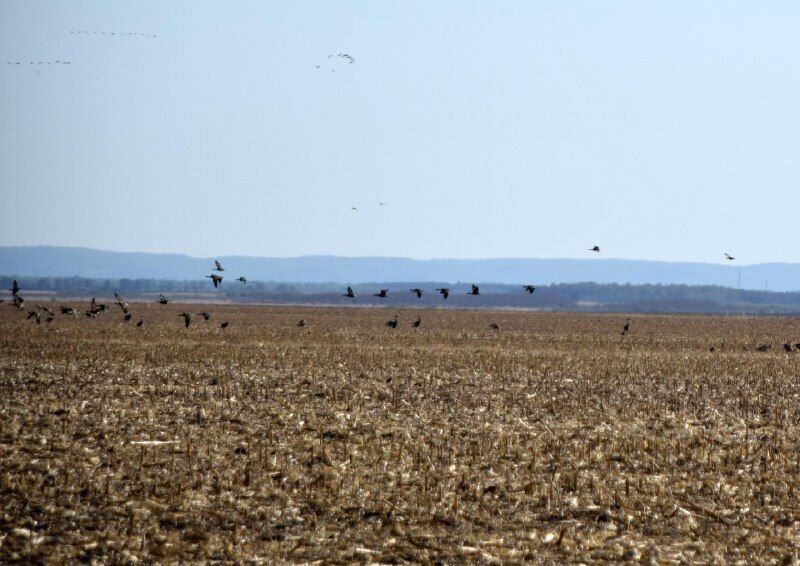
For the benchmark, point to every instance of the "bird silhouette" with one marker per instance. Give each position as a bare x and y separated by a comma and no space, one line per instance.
127,317
243,280
205,315
216,279
381,294
162,300
595,249
392,323
122,304
416,323
47,310
69,310
224,325
34,314
788,347
764,347
444,292
627,327
418,292
475,290
350,294
353,207
187,319
15,288
218,266
302,323
494,326
141,322
729,257
529,288
381,203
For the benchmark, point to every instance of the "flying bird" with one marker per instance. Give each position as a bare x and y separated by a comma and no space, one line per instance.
595,249
216,279
729,257
15,288
205,315
354,208
529,288
350,294
122,304
444,292
218,266
417,291
475,290
187,319
381,203
162,300
243,280
34,314
381,294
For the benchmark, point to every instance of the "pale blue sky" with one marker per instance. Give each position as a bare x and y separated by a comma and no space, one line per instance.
661,130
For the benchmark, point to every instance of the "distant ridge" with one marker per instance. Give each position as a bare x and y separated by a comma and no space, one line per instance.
43,261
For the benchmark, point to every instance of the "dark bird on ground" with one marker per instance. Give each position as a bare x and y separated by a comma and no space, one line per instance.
494,326
392,323
529,288
243,280
224,324
788,347
47,310
34,314
140,323
418,292
627,327
595,249
444,292
162,300
122,304
187,319
381,294
350,294
127,317
96,308
216,279
205,315
90,314
69,310
764,348
729,257
475,290
416,323
19,302
218,266
50,319
302,323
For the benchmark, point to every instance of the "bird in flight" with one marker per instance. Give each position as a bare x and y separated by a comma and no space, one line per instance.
243,280
729,257
187,319
122,304
529,288
205,315
350,293
381,294
418,292
353,208
162,300
381,203
218,266
216,279
475,290
15,288
595,249
444,292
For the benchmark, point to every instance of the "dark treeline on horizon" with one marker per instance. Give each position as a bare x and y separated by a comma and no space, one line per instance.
591,297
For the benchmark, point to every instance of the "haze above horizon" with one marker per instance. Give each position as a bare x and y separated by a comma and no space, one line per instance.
659,132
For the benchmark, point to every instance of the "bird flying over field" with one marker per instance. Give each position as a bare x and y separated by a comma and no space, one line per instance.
187,319
474,291
205,315
595,249
381,294
162,300
218,266
15,288
444,292
122,304
729,257
243,280
34,314
529,288
216,279
350,293
418,292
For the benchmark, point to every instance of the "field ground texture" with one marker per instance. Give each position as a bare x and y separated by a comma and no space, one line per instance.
347,441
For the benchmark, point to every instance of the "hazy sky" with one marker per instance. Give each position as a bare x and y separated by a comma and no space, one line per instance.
661,130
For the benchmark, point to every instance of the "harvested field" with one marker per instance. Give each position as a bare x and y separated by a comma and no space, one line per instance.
347,441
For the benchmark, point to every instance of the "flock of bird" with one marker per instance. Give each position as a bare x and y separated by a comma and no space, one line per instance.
114,33
338,58
38,63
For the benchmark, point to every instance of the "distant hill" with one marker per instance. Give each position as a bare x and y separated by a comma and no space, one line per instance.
44,261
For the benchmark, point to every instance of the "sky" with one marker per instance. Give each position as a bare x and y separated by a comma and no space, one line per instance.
656,130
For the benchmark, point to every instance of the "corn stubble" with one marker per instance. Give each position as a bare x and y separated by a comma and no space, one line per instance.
554,438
